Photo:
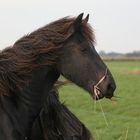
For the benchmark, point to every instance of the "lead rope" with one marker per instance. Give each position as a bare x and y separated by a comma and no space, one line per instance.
97,92
96,88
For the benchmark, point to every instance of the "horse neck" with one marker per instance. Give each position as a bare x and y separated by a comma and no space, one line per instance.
30,100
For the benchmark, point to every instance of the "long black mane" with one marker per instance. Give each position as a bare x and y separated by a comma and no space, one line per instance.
28,53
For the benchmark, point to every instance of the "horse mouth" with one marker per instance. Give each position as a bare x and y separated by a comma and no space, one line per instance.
98,94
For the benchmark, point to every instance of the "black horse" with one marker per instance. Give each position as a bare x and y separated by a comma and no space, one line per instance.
29,68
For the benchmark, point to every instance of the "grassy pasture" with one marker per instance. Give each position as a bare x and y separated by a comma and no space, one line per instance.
121,118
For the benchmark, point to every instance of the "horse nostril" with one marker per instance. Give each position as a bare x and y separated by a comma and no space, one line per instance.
110,90
112,86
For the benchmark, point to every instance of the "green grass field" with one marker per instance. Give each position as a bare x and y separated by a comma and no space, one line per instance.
122,117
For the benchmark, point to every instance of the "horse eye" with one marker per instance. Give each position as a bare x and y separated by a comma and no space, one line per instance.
84,49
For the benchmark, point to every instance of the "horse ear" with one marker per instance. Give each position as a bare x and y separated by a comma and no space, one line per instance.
86,19
76,26
77,23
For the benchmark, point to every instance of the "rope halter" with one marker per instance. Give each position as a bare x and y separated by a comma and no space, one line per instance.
96,88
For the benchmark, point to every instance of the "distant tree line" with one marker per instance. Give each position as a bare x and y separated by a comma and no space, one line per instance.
115,55
133,54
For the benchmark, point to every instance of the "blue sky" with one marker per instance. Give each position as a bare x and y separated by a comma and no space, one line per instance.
116,22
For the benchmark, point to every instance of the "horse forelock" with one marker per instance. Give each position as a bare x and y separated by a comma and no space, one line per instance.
63,25
18,61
